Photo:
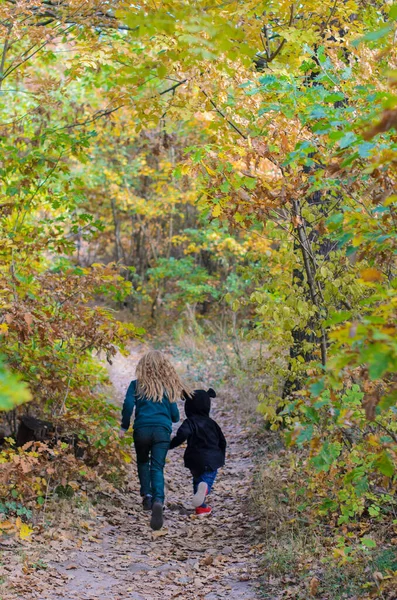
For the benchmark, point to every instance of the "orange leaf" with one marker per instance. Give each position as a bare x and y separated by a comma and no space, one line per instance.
296,221
313,586
371,275
6,525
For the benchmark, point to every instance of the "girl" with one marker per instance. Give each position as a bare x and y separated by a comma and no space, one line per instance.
206,446
154,396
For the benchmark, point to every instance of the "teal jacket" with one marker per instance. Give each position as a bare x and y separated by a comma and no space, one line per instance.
147,412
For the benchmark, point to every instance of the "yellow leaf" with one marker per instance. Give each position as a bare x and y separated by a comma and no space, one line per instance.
373,440
3,328
390,200
209,170
371,275
216,211
126,457
25,531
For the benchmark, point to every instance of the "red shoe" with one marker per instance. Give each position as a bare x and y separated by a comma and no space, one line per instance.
201,510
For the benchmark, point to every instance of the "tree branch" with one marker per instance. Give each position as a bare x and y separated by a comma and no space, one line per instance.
232,125
281,45
173,87
12,69
98,115
3,56
331,14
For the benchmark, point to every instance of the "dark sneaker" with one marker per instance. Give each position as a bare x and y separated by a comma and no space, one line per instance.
199,496
157,520
147,502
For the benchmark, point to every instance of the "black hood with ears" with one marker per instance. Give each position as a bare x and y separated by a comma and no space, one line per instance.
206,444
199,404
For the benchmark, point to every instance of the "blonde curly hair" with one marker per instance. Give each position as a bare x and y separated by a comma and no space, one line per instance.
156,376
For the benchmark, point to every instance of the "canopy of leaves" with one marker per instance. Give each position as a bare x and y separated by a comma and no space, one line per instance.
236,157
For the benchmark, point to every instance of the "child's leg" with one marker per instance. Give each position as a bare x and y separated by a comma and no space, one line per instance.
160,445
204,483
199,488
142,443
209,478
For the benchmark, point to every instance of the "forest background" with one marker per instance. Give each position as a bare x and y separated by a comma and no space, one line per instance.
228,167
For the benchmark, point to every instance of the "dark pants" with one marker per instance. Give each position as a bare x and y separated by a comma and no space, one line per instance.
151,446
208,477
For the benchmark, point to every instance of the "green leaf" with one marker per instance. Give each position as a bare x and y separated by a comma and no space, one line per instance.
388,401
317,388
373,36
326,456
335,97
384,464
379,364
349,160
305,435
338,317
374,510
348,139
393,12
311,414
13,391
368,542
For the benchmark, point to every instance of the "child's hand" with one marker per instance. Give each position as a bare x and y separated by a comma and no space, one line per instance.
122,433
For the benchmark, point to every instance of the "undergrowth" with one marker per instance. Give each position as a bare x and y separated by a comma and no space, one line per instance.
304,550
307,549
80,457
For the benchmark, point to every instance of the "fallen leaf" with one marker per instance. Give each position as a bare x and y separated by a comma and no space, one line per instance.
313,586
25,531
28,318
160,533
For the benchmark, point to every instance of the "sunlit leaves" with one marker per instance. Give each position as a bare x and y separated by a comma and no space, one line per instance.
13,391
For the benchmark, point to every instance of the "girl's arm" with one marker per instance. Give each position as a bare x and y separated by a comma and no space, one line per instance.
128,406
174,412
181,435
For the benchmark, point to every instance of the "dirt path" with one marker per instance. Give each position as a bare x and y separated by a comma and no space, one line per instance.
191,558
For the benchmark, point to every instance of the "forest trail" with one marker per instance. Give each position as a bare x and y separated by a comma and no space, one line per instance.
191,558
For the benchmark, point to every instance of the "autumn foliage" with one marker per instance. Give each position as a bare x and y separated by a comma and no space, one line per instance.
230,161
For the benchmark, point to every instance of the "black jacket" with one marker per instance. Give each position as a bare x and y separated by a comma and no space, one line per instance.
206,444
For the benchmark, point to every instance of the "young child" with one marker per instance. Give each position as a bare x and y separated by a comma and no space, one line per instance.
206,446
154,396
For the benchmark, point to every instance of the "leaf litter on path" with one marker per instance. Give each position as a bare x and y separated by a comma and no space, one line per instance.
120,558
